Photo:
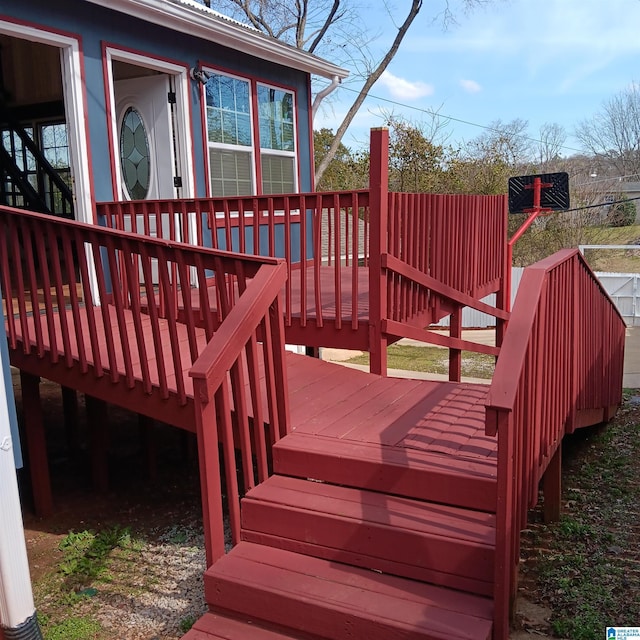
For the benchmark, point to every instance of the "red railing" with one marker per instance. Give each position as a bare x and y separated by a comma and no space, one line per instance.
88,298
233,409
560,366
312,232
458,240
326,237
49,265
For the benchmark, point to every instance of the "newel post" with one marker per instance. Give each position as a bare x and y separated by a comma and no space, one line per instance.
209,464
379,214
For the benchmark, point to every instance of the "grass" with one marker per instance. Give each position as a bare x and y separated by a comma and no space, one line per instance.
90,561
73,628
87,555
432,360
584,568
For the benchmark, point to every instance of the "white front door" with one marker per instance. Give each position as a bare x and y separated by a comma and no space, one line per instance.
146,155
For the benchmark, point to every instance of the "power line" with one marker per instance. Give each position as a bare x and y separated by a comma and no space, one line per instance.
602,204
436,114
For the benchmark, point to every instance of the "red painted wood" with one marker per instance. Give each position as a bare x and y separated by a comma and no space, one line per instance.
347,229
563,330
36,442
380,241
452,480
436,539
215,626
345,602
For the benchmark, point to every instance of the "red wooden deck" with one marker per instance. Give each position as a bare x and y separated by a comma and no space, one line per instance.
364,267
373,507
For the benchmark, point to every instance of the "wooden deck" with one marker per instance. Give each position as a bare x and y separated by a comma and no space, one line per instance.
364,266
408,424
360,505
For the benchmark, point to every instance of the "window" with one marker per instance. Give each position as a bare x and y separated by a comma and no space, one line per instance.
229,133
230,137
277,139
135,157
51,139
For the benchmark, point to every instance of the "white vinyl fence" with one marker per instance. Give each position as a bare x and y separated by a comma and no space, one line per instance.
624,289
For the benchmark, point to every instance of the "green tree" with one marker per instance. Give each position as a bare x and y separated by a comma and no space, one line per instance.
416,161
346,171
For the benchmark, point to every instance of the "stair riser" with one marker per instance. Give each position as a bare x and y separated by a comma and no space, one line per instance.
425,484
430,576
435,559
310,615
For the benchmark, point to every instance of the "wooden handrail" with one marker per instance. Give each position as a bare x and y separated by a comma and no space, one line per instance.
565,336
312,231
105,301
225,369
100,276
455,239
239,325
429,283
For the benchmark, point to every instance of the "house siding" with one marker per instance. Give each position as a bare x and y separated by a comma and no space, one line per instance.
96,26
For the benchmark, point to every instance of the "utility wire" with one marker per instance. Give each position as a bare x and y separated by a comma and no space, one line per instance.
602,204
436,114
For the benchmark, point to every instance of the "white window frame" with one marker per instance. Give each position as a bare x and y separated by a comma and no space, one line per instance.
236,148
280,152
74,105
74,102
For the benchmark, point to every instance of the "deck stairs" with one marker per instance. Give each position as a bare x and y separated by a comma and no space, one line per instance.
323,559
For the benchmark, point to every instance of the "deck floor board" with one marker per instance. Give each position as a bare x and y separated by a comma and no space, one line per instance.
410,417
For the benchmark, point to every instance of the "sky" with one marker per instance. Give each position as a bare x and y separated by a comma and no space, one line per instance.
542,61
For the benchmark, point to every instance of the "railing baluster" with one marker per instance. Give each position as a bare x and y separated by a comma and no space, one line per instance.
154,317
131,276
58,285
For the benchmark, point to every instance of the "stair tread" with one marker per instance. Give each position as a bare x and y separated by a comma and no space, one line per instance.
477,468
378,508
264,582
436,543
456,480
215,626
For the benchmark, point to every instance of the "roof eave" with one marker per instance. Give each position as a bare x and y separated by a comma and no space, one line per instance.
193,22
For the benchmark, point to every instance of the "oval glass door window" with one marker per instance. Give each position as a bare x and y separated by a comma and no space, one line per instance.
135,158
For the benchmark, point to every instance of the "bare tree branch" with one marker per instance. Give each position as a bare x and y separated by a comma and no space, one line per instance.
416,5
333,16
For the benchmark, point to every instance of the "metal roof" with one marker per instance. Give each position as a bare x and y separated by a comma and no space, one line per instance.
194,18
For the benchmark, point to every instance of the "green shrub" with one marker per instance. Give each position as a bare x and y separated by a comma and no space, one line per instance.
622,213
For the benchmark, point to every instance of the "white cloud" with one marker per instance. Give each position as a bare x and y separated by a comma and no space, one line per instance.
402,89
470,86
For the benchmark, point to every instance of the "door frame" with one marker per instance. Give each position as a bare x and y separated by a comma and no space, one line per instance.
72,71
183,139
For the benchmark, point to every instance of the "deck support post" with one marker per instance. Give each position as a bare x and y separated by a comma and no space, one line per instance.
378,245
99,442
455,355
501,300
36,444
552,487
378,353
